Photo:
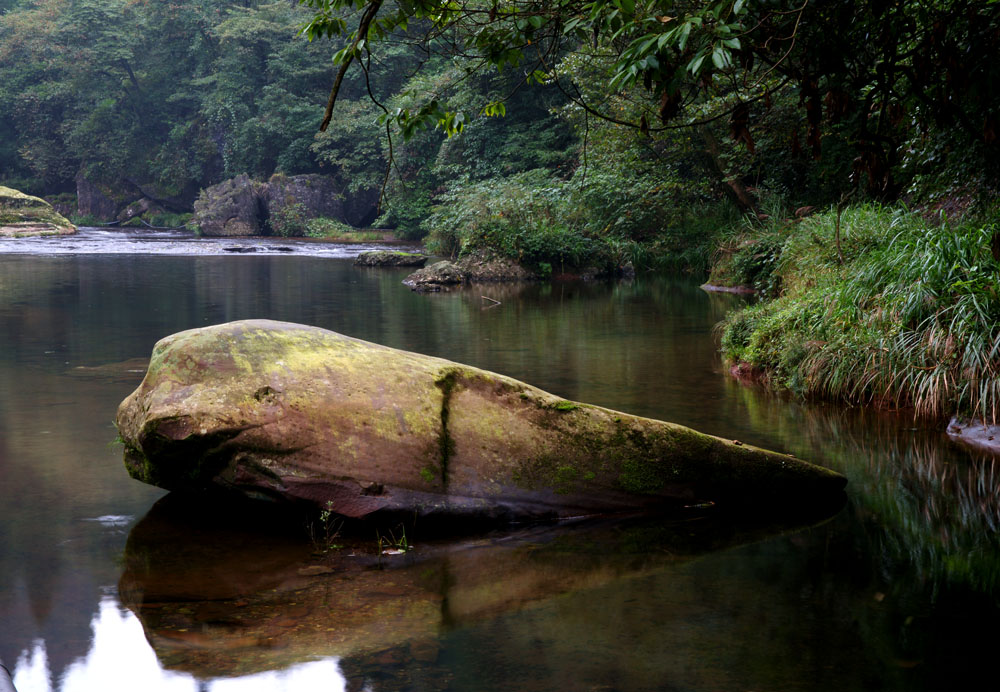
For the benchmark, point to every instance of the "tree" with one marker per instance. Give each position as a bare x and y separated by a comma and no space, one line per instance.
878,74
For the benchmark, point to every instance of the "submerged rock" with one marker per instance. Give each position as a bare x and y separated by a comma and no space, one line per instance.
25,215
390,258
975,434
287,411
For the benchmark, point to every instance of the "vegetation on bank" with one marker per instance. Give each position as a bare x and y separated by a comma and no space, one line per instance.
901,311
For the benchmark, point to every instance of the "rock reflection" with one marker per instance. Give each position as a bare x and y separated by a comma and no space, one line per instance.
222,594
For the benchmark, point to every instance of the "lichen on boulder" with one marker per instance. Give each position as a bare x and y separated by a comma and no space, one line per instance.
25,215
286,411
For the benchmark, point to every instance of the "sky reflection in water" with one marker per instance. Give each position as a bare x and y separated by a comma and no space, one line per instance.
121,660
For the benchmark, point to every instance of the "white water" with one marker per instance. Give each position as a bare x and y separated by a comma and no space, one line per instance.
144,241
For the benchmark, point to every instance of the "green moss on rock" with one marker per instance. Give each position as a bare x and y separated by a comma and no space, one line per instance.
24,215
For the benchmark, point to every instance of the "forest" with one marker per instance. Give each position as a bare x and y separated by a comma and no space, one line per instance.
840,158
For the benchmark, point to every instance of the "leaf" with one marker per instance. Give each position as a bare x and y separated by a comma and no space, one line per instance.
685,33
695,65
717,57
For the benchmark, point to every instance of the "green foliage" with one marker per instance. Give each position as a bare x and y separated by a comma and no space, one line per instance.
289,220
910,318
327,228
517,218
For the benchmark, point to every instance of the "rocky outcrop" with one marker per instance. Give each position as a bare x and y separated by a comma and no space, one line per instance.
486,267
361,206
123,200
390,258
312,195
292,412
231,208
102,201
24,215
439,276
241,206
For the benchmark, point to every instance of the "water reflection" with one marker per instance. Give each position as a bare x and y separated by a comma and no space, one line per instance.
931,508
899,591
225,590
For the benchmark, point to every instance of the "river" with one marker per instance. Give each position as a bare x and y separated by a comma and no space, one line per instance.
106,585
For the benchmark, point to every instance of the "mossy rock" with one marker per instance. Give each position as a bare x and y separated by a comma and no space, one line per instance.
287,411
389,258
24,215
439,275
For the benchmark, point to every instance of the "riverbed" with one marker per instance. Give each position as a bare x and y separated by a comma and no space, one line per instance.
104,584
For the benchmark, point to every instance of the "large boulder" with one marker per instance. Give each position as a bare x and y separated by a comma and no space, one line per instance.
234,207
282,410
24,215
309,196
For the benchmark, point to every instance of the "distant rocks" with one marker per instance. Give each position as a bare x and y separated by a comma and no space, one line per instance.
242,206
389,258
231,208
25,215
124,201
436,277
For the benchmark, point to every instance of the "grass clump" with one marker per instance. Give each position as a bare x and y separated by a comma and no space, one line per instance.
905,313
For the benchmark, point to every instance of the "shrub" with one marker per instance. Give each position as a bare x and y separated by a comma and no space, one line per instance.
288,220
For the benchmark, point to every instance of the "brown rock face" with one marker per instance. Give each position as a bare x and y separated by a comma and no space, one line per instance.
296,412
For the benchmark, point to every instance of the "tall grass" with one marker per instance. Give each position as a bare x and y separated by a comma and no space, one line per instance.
910,316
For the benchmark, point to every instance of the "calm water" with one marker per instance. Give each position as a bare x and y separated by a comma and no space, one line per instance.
102,590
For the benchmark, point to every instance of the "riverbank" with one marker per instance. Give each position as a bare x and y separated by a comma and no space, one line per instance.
877,306
873,305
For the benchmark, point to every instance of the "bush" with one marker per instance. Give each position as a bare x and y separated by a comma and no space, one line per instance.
599,219
322,227
289,220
